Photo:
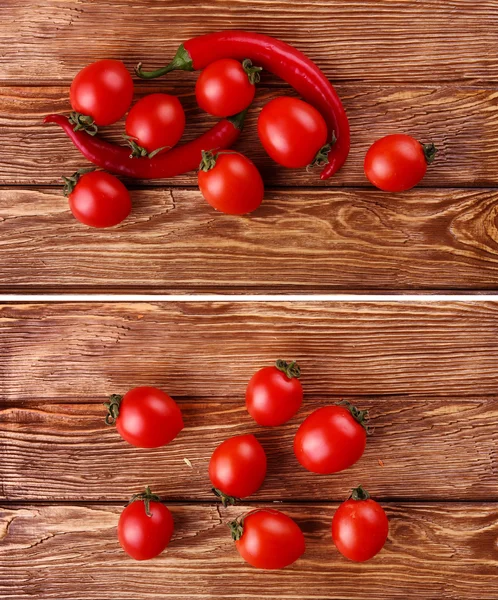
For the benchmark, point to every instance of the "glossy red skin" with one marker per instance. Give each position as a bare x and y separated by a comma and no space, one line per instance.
156,121
141,536
223,88
238,466
395,163
271,540
100,200
234,186
148,418
272,398
103,90
360,529
329,440
291,131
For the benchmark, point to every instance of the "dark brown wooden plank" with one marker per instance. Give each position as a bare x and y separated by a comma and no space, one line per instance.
299,241
376,41
71,552
462,123
427,448
77,351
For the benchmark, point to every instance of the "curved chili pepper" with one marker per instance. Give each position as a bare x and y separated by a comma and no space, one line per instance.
280,59
116,159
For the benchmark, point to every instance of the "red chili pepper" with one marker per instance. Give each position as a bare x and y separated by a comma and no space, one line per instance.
116,159
280,59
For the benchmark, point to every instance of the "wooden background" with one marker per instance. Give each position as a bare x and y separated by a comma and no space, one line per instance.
428,373
428,68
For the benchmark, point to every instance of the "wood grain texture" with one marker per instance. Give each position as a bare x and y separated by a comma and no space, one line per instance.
434,551
462,122
66,452
298,241
77,351
382,41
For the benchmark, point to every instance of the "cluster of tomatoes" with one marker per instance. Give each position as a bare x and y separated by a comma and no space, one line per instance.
293,133
329,440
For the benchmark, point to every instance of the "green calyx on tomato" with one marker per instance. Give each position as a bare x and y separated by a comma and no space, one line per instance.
236,528
70,182
252,72
225,498
181,61
138,151
430,151
112,408
208,160
291,369
358,493
146,497
83,123
361,416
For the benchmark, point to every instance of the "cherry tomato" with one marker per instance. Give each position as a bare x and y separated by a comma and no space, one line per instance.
145,526
237,467
268,539
230,182
396,163
97,199
155,122
103,91
145,417
226,87
331,439
360,527
292,132
274,394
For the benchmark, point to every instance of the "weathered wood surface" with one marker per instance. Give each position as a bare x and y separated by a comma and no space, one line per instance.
85,351
71,552
302,240
66,452
462,122
383,41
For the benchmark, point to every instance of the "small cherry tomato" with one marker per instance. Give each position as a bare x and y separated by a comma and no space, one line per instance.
145,526
293,132
155,124
268,539
396,163
97,198
145,417
226,87
274,394
332,438
102,91
237,468
360,527
230,182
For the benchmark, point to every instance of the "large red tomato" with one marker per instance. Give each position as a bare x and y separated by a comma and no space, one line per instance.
145,526
274,394
360,527
237,468
293,132
332,438
145,417
396,163
268,539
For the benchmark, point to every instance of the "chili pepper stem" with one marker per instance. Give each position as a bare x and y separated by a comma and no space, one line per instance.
181,62
238,120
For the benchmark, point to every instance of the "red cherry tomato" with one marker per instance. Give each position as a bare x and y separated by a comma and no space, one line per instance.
103,91
145,526
230,182
396,163
360,527
226,87
145,417
237,467
156,121
97,199
331,439
268,539
274,394
292,132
